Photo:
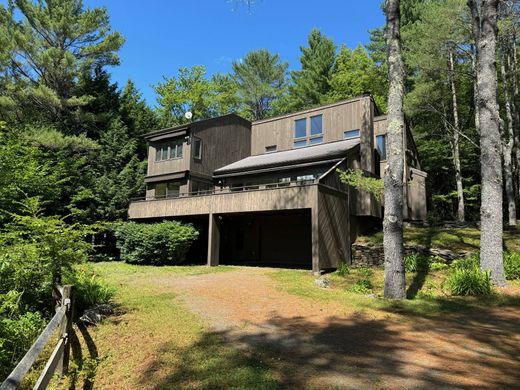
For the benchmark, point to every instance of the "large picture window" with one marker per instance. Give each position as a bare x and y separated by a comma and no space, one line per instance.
304,136
169,150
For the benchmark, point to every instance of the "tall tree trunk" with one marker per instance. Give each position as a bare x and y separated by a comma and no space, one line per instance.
395,283
507,148
490,144
514,107
455,139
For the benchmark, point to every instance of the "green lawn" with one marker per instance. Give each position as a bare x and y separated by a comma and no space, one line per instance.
462,239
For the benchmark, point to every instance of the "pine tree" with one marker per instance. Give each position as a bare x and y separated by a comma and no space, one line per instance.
261,79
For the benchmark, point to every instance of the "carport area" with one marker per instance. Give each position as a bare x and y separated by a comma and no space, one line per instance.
273,239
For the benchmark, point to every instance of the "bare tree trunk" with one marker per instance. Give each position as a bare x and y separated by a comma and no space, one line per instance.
507,148
490,144
455,139
395,283
514,107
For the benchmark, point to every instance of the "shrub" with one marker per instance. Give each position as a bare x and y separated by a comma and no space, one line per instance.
365,272
89,289
362,286
416,263
512,265
156,244
343,270
469,281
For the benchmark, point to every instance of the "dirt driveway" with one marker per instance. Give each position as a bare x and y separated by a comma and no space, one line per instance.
322,346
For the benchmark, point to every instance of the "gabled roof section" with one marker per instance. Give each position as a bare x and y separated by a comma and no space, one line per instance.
182,129
328,152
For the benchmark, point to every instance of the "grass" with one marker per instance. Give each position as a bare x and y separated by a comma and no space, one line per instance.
432,299
155,342
456,240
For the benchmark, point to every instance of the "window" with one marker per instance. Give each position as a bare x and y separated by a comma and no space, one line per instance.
381,146
169,150
300,128
350,134
197,148
270,149
160,190
316,140
305,179
284,182
300,144
173,189
316,127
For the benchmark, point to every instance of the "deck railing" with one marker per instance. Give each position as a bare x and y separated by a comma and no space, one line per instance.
245,187
59,359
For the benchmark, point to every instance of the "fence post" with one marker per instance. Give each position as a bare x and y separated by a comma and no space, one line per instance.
67,298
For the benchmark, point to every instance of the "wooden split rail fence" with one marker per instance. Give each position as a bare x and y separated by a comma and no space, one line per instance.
59,359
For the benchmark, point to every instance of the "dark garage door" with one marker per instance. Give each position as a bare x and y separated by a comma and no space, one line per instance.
275,239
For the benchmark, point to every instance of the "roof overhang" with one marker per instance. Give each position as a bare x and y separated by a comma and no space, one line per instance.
160,178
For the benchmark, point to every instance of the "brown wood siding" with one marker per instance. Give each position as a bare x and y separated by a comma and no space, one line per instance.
168,166
279,131
287,198
224,141
333,228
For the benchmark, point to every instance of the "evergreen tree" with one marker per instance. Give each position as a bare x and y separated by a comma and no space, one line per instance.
311,85
53,43
261,80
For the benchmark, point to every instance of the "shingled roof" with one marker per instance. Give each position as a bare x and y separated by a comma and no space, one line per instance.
331,151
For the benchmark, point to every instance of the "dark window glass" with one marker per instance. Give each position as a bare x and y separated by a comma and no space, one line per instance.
349,134
300,128
179,149
300,144
316,125
270,148
172,189
160,190
197,148
316,140
381,146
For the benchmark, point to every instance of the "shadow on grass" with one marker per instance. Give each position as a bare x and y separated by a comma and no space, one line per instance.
355,352
420,277
85,364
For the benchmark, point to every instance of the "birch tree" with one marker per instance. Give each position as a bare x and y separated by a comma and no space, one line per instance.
484,15
395,282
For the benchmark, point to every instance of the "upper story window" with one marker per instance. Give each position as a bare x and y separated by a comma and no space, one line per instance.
169,150
316,125
311,136
167,190
270,149
381,146
351,134
197,148
300,128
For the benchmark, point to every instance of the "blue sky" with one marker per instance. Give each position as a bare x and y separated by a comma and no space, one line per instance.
163,35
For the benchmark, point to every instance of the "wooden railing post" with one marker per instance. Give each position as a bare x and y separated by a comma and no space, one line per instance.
67,299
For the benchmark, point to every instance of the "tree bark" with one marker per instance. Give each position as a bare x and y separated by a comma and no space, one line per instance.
514,107
395,283
490,144
455,139
507,148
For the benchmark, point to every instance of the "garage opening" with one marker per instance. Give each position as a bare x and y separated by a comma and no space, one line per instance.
273,239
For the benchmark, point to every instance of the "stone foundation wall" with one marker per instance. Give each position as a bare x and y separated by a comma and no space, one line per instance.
366,254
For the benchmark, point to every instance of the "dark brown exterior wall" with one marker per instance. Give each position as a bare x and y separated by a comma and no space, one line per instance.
224,141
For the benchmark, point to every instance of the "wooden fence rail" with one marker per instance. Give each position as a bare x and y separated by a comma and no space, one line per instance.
59,360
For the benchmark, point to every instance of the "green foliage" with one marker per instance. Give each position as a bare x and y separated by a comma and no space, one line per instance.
416,263
164,243
355,73
512,265
192,91
365,272
362,286
357,179
89,289
311,85
343,270
466,278
51,43
260,77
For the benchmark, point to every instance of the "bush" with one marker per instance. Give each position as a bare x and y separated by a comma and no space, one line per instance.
466,278
343,270
416,263
365,272
512,265
164,243
89,289
362,286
